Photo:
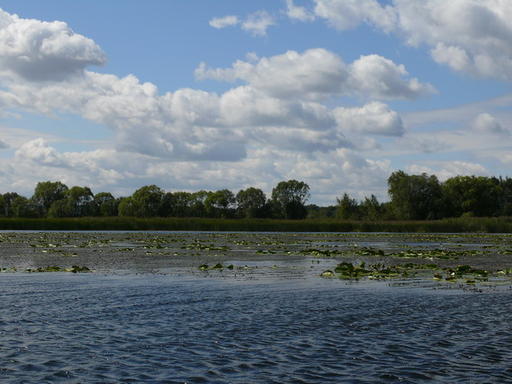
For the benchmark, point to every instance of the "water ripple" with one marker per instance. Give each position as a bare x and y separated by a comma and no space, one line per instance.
109,329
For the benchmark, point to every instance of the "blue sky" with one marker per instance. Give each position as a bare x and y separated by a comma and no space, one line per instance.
196,94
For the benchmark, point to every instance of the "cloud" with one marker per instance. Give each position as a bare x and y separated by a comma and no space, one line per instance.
223,22
298,13
314,74
486,123
37,50
38,151
348,14
381,78
318,73
466,35
328,173
447,169
374,118
279,106
3,145
280,123
257,23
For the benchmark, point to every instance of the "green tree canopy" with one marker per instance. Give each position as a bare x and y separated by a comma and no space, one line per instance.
46,192
250,202
106,204
147,201
220,203
347,208
289,198
81,201
415,197
473,195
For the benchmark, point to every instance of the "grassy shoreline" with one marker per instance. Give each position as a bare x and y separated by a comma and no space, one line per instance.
456,225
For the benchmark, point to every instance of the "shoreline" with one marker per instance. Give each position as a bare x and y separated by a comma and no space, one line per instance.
454,225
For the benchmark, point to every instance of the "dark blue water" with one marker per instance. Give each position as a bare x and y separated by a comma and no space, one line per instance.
157,329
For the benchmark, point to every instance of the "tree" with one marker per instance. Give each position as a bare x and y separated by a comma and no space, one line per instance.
197,207
80,201
46,192
506,203
8,203
472,195
167,205
415,197
181,204
220,203
147,201
371,209
60,208
126,207
348,208
250,202
289,198
107,205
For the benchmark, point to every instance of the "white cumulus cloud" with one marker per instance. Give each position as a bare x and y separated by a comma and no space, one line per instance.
487,123
348,14
374,118
319,73
467,35
38,50
223,22
297,12
257,23
280,123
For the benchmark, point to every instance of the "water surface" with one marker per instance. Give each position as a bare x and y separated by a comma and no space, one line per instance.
164,329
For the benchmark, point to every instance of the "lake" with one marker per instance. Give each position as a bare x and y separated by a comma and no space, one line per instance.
150,328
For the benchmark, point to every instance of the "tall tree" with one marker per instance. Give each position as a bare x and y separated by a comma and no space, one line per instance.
220,203
290,198
147,201
80,201
473,195
106,203
250,202
347,208
415,197
181,204
46,192
371,209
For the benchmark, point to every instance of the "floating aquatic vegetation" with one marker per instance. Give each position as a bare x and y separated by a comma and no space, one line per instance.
369,251
78,269
327,274
54,268
205,247
265,252
218,266
350,271
431,254
46,269
320,252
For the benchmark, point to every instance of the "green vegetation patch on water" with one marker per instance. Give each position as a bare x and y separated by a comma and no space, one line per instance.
464,273
73,269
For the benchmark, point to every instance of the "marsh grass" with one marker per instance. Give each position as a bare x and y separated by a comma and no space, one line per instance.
457,225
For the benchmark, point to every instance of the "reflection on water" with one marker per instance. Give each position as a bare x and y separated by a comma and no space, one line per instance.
162,329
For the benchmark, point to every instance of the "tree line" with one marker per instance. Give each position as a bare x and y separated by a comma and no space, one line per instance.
424,197
412,197
55,199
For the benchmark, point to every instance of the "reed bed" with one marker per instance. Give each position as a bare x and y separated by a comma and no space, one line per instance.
456,225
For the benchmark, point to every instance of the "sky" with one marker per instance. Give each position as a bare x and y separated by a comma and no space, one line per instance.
199,94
